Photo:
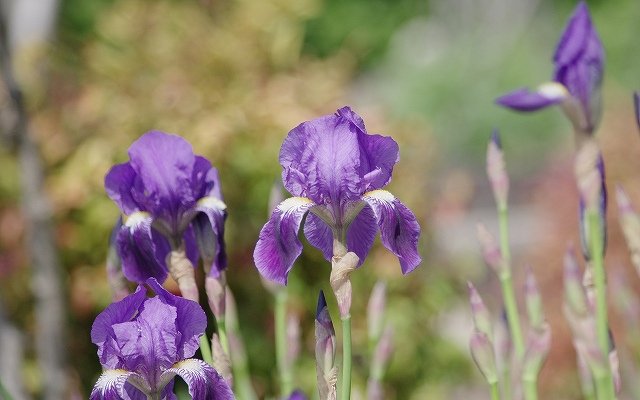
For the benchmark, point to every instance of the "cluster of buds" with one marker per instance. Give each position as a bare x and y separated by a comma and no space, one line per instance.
481,341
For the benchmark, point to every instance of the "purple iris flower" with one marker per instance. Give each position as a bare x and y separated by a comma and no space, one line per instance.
143,343
171,199
336,171
577,77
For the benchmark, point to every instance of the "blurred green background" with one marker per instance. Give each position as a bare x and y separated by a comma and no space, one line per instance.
233,77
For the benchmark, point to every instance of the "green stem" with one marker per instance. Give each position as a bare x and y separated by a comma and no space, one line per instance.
222,334
604,380
495,393
506,283
205,349
4,393
284,371
346,357
530,388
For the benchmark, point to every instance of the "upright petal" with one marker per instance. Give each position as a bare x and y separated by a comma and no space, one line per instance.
119,182
378,154
111,385
399,229
203,381
321,160
362,233
138,249
278,245
525,100
208,226
164,164
190,321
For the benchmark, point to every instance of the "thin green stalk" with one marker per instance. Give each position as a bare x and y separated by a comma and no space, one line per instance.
222,334
284,371
506,283
4,393
604,380
346,357
530,388
205,349
495,393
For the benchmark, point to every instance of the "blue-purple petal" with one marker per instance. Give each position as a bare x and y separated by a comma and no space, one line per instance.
139,251
319,234
118,183
525,100
361,233
203,381
297,395
111,385
399,229
208,226
278,244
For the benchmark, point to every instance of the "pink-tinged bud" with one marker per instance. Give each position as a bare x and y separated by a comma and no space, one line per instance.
382,354
480,312
538,345
216,297
293,339
625,300
483,355
490,250
630,223
327,373
221,361
533,301
342,264
375,311
375,390
586,379
496,170
573,290
589,174
614,364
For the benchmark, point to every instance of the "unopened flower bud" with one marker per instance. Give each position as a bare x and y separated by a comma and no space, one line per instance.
221,361
183,273
325,350
573,290
630,223
215,289
383,353
480,312
375,311
490,250
589,171
538,345
483,355
614,364
496,170
533,301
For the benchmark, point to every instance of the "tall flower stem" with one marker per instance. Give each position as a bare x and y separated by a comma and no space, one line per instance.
530,388
205,349
506,283
604,380
495,392
284,370
346,357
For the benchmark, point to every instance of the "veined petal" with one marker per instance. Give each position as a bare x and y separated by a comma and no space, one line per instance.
319,235
525,100
278,245
118,183
203,381
164,163
111,385
190,321
399,229
138,250
208,226
361,233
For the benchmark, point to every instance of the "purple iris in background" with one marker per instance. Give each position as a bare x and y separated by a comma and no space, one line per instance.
143,343
577,77
171,199
336,171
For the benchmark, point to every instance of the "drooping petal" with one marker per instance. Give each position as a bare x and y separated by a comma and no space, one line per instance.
525,100
164,164
362,233
203,381
121,311
378,154
399,229
111,385
278,244
208,226
190,321
138,249
321,160
118,183
319,235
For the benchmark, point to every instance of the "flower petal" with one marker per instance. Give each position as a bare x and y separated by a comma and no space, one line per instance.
319,235
399,229
208,226
297,395
138,248
321,160
164,164
118,183
378,154
203,381
525,100
121,311
278,245
111,385
362,233
190,321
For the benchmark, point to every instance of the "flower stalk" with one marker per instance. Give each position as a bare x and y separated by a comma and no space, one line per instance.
284,368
